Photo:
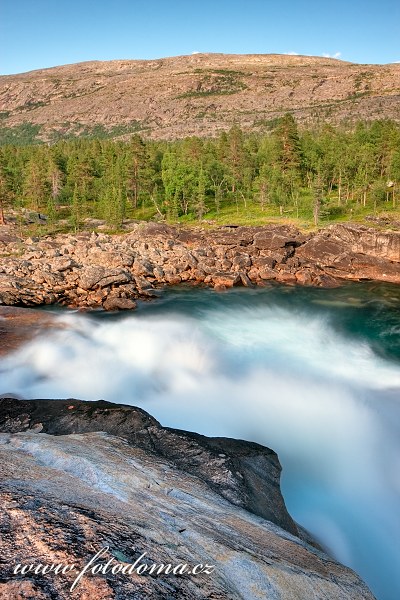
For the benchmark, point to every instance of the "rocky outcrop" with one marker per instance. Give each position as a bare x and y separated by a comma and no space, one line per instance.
78,476
98,270
354,252
18,325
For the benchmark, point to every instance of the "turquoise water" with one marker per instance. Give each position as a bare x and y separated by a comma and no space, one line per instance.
312,373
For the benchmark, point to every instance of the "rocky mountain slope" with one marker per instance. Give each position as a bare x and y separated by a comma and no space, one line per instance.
78,476
195,95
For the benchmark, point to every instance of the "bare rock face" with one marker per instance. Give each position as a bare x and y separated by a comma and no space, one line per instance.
354,252
76,477
98,270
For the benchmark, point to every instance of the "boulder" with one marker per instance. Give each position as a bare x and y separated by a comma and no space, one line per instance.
223,280
118,303
97,276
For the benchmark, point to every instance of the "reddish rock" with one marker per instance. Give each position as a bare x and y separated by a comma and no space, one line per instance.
79,476
225,281
286,277
264,261
304,277
116,303
72,269
266,273
18,325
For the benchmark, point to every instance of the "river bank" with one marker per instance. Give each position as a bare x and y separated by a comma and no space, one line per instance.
93,270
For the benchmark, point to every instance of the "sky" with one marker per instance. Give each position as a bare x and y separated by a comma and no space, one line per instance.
36,34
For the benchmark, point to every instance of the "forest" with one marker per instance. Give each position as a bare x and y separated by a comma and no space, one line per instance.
308,176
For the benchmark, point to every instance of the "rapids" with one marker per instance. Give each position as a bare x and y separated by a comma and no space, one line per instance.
312,373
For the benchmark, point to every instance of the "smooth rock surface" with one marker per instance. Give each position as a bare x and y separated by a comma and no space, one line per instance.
78,476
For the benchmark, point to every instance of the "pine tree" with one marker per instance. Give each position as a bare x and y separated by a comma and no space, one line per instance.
35,185
136,167
288,144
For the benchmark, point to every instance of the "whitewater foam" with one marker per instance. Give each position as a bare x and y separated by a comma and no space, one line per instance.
279,377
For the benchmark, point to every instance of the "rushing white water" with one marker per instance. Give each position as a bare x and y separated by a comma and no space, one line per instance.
325,402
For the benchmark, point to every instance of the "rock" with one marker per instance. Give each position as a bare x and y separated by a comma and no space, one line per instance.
143,267
23,292
101,474
264,261
241,261
223,280
90,276
72,269
172,279
62,264
117,303
286,277
18,325
97,276
354,252
245,280
326,281
270,240
266,273
304,278
230,236
381,244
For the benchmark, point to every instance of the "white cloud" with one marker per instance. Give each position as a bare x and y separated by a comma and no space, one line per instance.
292,53
196,52
336,55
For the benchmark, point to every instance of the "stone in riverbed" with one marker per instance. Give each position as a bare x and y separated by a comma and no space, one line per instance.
224,280
118,303
304,277
19,325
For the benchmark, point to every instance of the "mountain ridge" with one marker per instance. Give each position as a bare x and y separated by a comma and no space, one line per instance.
199,94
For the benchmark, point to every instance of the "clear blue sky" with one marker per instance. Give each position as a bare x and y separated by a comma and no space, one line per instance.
43,33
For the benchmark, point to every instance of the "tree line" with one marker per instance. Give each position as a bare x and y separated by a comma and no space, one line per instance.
312,173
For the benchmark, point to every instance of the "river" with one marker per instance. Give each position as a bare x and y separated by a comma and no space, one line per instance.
312,373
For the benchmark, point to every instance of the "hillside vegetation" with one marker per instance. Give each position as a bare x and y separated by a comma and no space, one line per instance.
309,177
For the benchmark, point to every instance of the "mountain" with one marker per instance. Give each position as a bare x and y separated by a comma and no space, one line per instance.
199,94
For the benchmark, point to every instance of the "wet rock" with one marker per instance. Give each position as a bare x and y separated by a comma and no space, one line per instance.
18,325
99,474
118,303
221,280
304,278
